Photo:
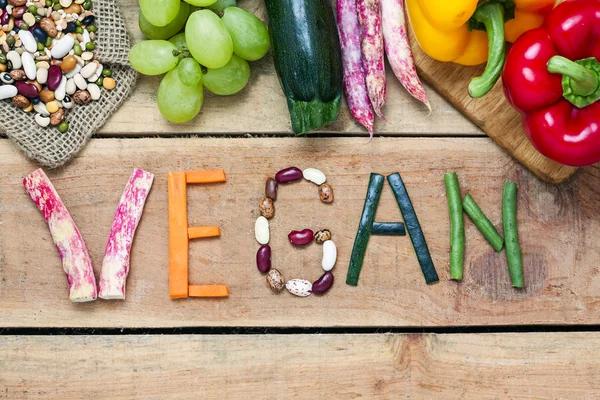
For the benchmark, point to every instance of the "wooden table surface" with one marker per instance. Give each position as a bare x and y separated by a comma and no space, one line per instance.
391,337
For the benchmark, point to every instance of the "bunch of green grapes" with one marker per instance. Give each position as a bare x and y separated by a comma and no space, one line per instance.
212,52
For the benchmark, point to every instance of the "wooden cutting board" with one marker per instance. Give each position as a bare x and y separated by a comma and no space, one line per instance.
492,113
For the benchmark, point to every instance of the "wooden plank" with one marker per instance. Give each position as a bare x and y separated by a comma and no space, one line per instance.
261,107
559,227
491,113
481,366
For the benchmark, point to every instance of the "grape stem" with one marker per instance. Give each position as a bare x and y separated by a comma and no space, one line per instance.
182,54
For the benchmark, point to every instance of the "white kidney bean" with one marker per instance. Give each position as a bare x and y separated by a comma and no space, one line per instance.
8,91
314,175
42,76
28,41
89,70
29,65
261,230
61,47
329,255
14,58
41,108
73,72
80,82
61,90
299,287
71,87
94,91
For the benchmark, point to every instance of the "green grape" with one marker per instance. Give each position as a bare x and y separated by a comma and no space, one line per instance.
189,71
176,101
221,5
201,3
179,41
153,57
250,36
165,32
207,39
160,12
229,79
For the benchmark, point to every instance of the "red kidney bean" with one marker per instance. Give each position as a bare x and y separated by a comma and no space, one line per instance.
271,189
263,258
323,284
27,89
18,12
301,238
5,18
288,175
54,77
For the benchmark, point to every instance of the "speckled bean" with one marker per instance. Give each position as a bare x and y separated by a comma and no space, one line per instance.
299,287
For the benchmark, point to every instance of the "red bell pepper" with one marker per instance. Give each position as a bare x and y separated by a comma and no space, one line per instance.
552,76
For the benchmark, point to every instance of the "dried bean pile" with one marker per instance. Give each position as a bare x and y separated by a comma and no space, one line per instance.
47,62
275,280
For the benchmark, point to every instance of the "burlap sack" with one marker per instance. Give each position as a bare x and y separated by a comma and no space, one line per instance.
48,146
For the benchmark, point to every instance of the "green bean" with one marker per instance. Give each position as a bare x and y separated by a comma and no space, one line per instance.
389,229
482,223
365,227
413,228
511,235
457,226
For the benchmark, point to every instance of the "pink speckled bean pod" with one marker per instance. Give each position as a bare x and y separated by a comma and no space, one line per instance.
355,85
369,18
115,267
71,247
398,49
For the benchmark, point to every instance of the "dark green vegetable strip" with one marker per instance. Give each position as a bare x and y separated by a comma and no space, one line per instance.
364,228
413,227
482,223
457,226
511,235
308,60
389,228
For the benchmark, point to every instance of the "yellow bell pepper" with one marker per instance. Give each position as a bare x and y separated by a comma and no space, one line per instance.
442,30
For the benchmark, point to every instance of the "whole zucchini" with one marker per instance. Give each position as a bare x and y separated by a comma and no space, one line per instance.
307,55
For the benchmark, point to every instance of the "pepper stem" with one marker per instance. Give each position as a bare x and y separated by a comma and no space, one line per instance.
581,79
490,14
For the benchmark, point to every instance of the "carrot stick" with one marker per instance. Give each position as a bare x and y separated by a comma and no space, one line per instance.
178,236
115,267
71,247
214,176
209,291
199,232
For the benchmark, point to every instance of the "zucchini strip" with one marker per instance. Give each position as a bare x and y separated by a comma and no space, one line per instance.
389,229
483,223
364,228
414,228
511,234
457,226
